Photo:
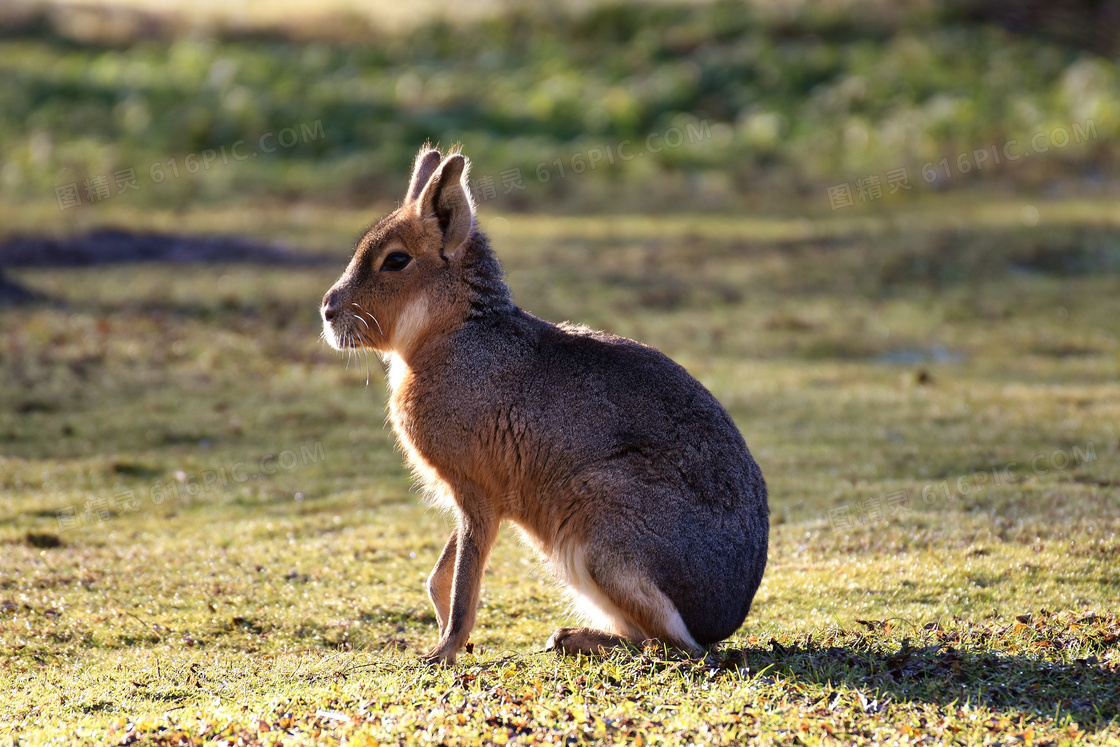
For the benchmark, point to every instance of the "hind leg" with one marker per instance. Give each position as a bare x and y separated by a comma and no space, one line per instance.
439,581
625,605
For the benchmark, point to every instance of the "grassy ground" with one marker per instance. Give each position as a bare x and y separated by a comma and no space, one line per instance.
206,534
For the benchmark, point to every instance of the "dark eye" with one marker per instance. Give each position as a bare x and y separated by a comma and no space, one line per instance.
395,261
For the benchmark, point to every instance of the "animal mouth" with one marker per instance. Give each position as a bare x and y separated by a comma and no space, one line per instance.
344,333
352,330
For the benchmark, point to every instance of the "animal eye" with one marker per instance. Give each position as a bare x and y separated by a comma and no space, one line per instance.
395,261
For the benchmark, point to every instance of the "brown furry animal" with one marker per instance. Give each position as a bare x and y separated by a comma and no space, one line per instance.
622,470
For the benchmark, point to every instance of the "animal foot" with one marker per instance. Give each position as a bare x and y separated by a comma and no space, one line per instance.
585,641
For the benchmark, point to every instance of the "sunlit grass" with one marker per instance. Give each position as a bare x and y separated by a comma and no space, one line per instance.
267,581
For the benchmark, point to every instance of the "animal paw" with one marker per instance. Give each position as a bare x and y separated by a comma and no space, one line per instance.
443,654
583,641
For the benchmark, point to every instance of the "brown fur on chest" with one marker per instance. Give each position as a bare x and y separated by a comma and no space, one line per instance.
498,453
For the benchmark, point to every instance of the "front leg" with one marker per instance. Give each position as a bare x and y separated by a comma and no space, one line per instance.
475,538
439,581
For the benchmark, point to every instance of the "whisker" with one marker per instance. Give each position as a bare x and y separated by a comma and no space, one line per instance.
364,346
371,316
363,321
366,351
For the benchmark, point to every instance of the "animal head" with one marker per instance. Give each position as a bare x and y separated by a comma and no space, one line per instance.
407,279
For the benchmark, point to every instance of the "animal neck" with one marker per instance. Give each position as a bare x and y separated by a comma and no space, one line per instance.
485,280
396,369
419,324
411,326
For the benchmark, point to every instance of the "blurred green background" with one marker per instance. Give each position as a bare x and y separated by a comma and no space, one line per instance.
774,102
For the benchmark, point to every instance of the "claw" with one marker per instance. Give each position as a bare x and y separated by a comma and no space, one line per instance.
442,655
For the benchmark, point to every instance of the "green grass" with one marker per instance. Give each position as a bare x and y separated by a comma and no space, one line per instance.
283,601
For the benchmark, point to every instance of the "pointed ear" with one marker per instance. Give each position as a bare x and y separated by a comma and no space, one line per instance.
422,169
447,199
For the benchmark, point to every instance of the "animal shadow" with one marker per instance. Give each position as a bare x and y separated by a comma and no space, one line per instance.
1048,667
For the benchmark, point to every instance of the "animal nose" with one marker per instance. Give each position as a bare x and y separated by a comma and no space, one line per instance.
331,306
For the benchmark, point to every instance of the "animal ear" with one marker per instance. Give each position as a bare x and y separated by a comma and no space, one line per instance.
427,160
447,199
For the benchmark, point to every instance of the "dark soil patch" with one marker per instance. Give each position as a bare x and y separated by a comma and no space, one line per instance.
111,246
12,294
